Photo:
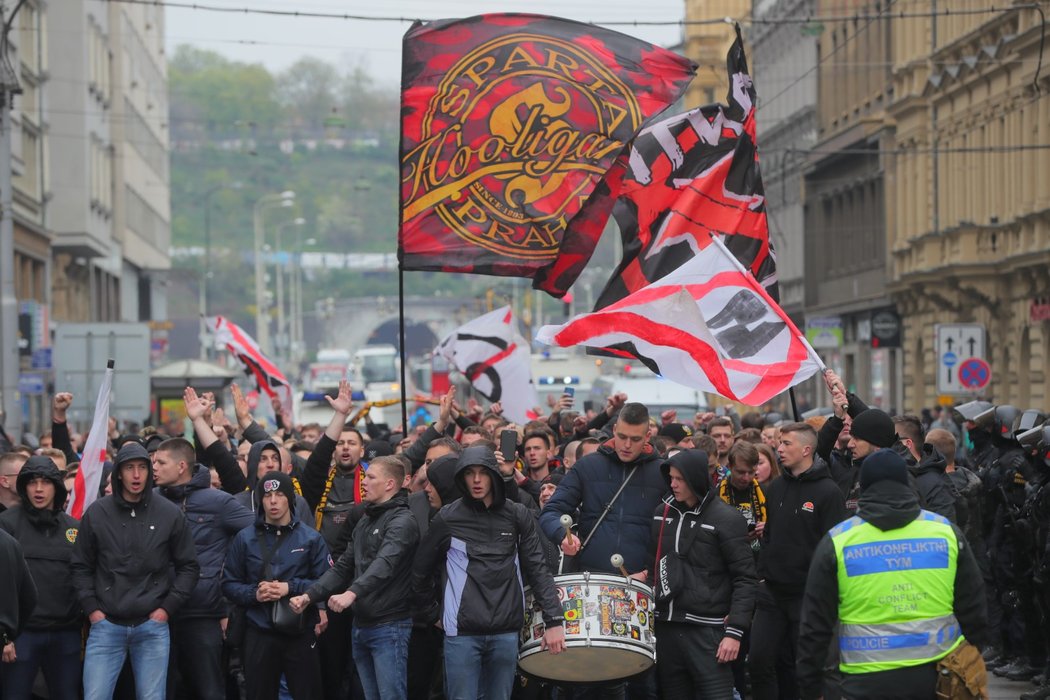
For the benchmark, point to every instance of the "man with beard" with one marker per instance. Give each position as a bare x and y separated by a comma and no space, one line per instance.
50,640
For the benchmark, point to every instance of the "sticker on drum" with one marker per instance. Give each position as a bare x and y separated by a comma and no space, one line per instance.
561,593
642,617
537,631
573,609
643,601
617,592
573,592
590,607
636,633
619,629
621,610
572,627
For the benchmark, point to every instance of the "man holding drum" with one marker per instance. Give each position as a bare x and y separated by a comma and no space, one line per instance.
478,542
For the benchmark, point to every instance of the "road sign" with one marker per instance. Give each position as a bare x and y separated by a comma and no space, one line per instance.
974,374
955,345
80,354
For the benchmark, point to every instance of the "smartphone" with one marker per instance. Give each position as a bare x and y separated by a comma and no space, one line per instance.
570,391
508,444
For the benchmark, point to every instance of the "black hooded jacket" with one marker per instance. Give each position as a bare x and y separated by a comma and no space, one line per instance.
377,564
935,495
801,509
47,539
480,548
126,551
888,505
718,568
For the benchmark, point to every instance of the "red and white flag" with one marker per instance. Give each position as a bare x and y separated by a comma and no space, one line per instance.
269,379
495,357
708,325
89,475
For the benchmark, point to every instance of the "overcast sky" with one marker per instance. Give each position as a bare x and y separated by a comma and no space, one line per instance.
277,42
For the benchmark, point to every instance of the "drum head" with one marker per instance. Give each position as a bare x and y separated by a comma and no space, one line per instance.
602,661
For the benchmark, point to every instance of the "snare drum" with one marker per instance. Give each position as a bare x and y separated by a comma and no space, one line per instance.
608,630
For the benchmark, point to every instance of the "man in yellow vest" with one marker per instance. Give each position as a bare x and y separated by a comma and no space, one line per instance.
900,584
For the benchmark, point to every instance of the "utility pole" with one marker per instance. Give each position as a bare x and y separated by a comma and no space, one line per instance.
9,360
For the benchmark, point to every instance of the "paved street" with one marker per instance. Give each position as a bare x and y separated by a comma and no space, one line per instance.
1002,689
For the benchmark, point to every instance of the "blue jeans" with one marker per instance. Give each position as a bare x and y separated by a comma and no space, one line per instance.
56,653
109,644
381,658
480,666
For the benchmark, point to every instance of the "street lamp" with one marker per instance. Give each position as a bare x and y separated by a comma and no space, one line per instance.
298,341
203,290
282,335
281,199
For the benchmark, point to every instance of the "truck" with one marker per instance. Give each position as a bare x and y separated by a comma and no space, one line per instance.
655,392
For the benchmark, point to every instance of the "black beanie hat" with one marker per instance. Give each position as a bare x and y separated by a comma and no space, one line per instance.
883,465
677,431
874,426
377,448
276,481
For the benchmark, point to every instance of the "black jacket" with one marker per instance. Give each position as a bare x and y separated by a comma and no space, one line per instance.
17,590
377,564
887,505
125,553
801,509
934,493
47,539
214,517
718,567
590,485
480,549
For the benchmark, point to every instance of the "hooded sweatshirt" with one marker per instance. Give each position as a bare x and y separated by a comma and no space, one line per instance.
47,538
483,550
931,485
126,550
801,510
709,539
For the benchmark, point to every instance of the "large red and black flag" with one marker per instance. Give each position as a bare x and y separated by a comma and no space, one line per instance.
690,176
510,125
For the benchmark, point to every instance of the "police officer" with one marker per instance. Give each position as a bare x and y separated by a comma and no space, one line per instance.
1010,543
900,583
1037,444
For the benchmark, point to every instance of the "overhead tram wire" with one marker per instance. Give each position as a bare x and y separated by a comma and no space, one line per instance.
801,19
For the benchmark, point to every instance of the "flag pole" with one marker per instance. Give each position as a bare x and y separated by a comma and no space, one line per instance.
401,330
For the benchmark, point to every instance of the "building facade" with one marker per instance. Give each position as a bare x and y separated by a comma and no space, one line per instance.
707,44
845,202
968,198
109,212
783,59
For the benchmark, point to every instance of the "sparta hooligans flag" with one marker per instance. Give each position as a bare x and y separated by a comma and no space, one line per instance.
688,176
495,357
708,325
509,123
89,475
269,379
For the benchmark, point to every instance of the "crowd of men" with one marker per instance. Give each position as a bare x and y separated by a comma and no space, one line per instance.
225,560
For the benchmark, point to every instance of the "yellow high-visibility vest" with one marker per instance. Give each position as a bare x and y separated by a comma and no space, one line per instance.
896,593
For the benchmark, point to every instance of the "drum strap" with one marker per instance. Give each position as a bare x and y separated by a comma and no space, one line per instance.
608,507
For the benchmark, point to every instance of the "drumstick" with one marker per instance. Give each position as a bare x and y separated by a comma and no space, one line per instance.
566,522
617,561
